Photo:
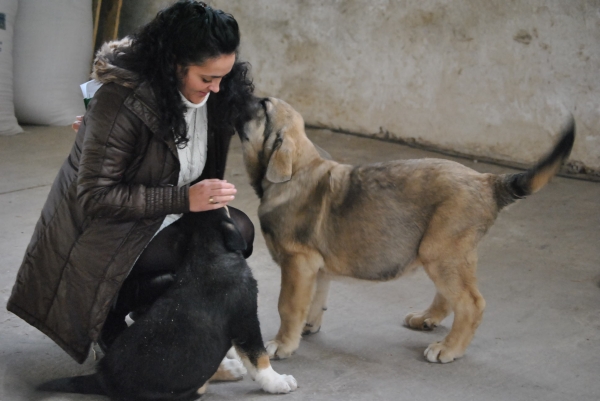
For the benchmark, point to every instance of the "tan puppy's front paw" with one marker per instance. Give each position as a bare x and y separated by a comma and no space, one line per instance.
438,352
277,350
420,321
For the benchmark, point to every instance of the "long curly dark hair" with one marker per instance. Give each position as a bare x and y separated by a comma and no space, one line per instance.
188,33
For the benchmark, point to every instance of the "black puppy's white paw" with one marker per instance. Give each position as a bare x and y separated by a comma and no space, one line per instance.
272,382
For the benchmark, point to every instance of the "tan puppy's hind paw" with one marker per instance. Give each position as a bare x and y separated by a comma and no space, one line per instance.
310,329
420,321
438,352
277,350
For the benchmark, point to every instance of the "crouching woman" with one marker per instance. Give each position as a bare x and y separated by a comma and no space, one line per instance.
152,145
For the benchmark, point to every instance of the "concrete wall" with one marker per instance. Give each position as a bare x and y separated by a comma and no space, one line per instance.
489,78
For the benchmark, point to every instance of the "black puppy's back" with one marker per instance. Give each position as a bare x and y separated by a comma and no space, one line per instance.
178,344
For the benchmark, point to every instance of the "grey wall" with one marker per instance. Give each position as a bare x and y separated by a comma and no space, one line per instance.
489,78
135,13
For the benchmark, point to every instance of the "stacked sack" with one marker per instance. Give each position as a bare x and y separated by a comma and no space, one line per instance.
52,52
8,13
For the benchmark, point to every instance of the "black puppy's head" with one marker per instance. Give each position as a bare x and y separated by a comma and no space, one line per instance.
233,239
215,231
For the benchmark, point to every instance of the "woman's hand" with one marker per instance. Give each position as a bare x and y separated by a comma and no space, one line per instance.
77,123
210,194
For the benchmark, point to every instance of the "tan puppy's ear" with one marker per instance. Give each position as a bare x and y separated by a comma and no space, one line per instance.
279,168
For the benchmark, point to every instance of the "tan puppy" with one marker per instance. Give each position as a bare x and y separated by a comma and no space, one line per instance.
323,219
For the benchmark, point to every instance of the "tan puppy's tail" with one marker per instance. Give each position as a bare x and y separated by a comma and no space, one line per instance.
510,187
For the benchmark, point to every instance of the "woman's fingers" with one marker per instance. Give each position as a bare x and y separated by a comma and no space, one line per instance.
221,188
217,184
77,123
220,198
211,194
221,195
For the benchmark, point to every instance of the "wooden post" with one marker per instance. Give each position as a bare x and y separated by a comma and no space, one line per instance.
107,14
96,5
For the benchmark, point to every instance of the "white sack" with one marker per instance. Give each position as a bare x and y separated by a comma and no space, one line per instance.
8,122
53,56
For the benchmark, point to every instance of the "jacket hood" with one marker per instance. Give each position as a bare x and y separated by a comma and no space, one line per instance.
106,69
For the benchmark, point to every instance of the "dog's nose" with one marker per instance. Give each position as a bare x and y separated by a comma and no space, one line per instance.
242,134
263,102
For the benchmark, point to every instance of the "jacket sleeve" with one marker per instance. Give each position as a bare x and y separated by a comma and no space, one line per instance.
110,145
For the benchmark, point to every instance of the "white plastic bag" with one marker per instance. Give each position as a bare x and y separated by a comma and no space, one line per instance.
88,89
53,56
8,122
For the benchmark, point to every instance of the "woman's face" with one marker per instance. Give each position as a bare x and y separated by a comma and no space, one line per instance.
201,79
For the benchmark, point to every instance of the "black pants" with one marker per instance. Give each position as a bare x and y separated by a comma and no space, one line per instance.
154,270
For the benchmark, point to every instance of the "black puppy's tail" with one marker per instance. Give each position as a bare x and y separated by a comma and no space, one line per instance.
78,384
510,187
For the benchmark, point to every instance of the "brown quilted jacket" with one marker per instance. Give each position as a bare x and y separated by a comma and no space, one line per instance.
107,201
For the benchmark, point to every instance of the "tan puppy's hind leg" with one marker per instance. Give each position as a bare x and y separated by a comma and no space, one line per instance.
468,311
315,314
431,317
457,284
298,282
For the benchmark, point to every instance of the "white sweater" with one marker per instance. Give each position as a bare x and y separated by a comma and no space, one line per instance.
192,158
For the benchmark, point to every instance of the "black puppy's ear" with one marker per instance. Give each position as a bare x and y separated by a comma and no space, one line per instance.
232,237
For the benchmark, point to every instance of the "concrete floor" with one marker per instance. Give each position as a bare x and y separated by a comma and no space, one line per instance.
538,269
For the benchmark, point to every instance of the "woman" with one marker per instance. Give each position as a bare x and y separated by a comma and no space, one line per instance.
152,145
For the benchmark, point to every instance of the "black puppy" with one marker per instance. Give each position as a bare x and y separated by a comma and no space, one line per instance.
171,351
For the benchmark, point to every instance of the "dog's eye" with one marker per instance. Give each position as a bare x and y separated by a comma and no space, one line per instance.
264,106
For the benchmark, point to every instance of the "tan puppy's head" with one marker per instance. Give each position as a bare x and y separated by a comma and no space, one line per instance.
270,142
